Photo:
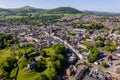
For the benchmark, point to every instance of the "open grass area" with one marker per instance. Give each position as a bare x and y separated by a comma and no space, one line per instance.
4,54
14,17
26,74
49,51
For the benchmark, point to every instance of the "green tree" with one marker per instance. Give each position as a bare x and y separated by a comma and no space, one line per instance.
104,64
22,63
9,64
43,53
94,54
51,74
53,58
110,58
59,49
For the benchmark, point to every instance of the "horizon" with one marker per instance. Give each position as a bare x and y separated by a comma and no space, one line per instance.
100,6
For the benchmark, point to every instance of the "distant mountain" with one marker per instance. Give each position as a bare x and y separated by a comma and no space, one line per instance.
62,10
4,10
100,13
59,10
27,9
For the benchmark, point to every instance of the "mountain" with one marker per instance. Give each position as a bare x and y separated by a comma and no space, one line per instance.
4,10
20,11
27,9
62,10
59,10
100,13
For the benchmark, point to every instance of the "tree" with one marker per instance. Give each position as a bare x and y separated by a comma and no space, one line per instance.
99,38
9,64
39,64
111,47
99,44
59,49
51,74
43,53
104,64
63,60
22,63
94,54
87,45
110,58
53,58
2,45
4,40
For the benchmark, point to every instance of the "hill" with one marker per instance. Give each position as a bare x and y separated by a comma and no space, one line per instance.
62,10
59,10
100,13
27,9
4,10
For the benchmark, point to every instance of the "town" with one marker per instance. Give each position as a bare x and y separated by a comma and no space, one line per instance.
92,54
59,44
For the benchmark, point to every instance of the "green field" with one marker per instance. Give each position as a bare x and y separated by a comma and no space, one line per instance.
25,74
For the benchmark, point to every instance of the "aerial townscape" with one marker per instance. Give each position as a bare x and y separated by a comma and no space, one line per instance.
62,43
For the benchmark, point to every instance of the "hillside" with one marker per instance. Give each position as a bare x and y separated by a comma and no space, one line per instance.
4,10
62,10
59,10
27,9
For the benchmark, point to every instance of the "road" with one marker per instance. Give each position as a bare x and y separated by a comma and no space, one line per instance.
80,56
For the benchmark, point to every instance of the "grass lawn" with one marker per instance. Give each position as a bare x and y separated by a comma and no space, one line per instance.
49,51
4,54
25,50
26,74
14,17
13,73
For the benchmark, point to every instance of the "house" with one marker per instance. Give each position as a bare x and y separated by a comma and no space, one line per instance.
89,78
117,78
118,69
31,65
79,31
107,42
80,72
70,70
117,53
85,57
104,78
96,63
82,46
72,59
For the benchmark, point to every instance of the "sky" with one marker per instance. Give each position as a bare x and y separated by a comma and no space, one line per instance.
94,5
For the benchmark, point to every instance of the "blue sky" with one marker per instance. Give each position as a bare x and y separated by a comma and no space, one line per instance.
96,5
